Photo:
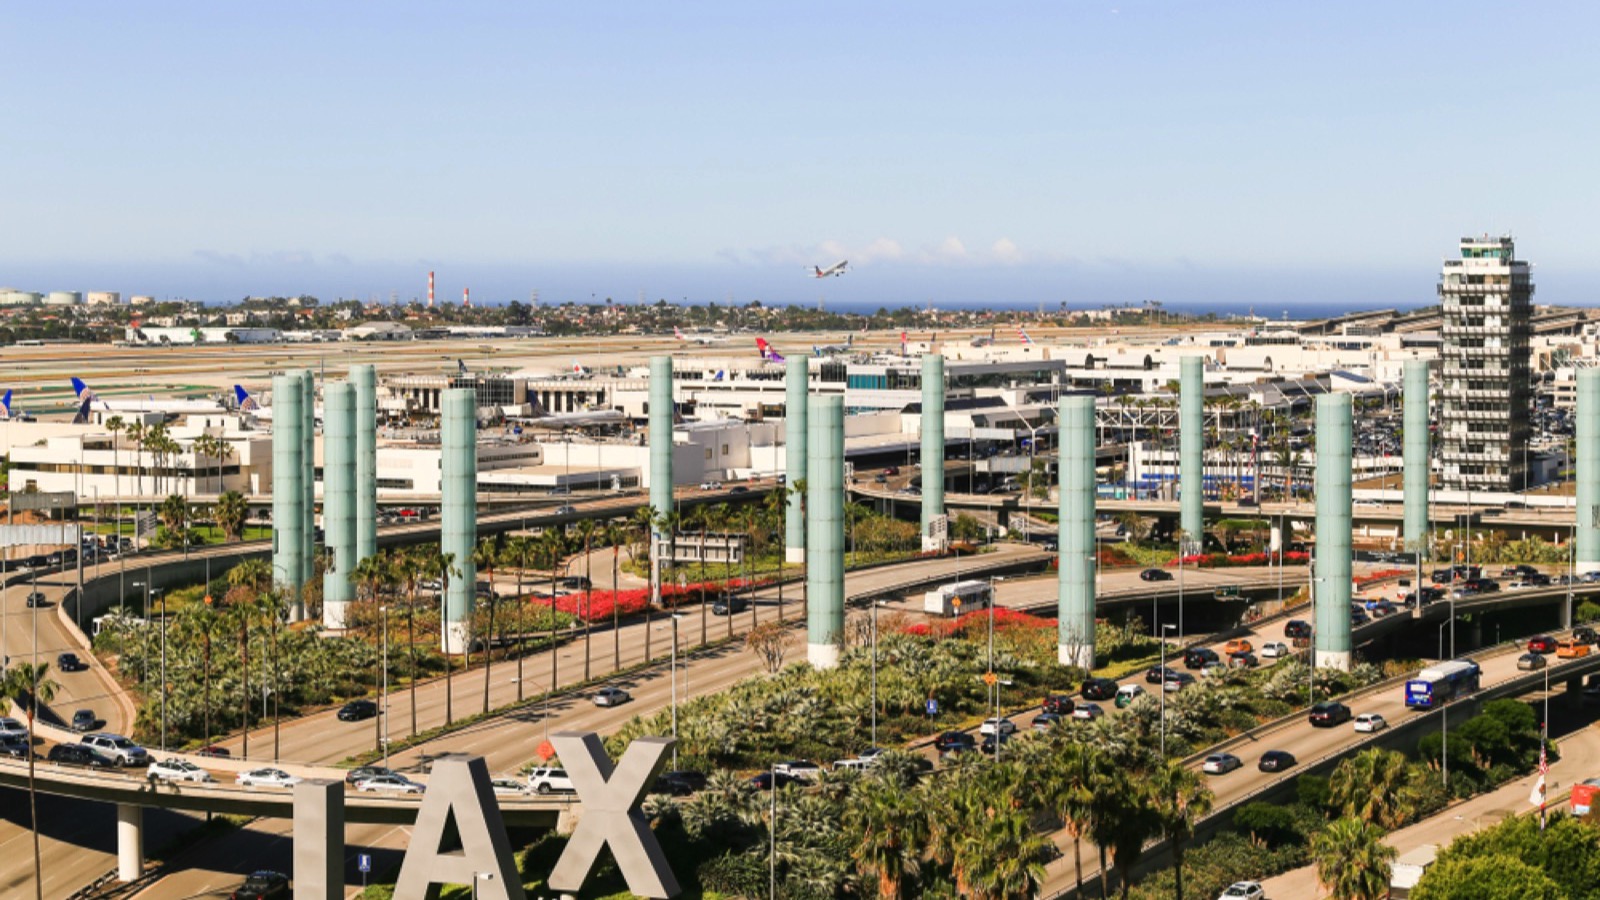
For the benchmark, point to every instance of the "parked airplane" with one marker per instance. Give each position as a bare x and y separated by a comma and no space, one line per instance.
697,338
768,354
249,404
6,415
1024,335
834,270
835,349
147,405
544,418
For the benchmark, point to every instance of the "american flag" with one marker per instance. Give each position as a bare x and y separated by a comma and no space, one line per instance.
1537,798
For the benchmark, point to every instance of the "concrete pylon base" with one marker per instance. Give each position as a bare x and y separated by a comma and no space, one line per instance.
456,636
795,556
1584,568
1334,659
822,656
130,842
1275,541
932,545
1075,655
333,614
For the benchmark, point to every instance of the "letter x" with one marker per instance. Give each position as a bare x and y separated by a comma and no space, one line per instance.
610,798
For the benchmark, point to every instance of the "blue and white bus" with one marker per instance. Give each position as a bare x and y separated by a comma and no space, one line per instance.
1442,683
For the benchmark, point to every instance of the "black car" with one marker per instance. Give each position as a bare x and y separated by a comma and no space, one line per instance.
992,741
576,583
694,781
766,780
1060,704
1099,689
78,755
361,773
36,599
1585,635
677,787
954,742
1276,761
14,747
84,720
1158,674
357,710
1329,713
1195,658
69,662
263,885
1297,628
730,606
1428,595
1155,575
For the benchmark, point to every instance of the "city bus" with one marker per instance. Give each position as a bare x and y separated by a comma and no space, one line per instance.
1442,683
972,594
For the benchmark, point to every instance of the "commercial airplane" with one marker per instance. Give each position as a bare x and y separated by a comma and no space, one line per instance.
834,270
768,354
982,341
544,418
835,349
6,415
697,338
147,405
249,404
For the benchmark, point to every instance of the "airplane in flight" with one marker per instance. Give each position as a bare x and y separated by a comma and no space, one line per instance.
768,354
697,338
834,270
147,405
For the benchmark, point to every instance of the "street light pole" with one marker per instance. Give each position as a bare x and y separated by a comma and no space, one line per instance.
1164,629
383,690
874,673
674,688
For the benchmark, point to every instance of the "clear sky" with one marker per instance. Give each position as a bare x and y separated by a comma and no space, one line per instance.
1206,154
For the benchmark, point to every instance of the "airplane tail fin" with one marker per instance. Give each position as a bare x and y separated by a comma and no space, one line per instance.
461,367
721,374
577,367
78,386
247,403
850,340
678,333
5,405
82,416
815,350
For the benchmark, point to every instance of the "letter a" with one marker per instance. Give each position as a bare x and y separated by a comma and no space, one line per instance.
611,814
459,785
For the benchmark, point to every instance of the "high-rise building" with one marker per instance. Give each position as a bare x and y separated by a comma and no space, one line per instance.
1485,299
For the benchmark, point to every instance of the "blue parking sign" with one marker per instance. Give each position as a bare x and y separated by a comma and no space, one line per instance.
933,707
364,862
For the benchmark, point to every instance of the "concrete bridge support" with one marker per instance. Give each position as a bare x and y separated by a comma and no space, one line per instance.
660,460
1588,443
1332,568
338,501
319,839
1416,457
458,518
1191,452
365,380
1075,565
130,842
825,531
796,382
933,450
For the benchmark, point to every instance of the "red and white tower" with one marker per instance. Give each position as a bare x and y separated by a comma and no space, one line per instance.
430,290
466,298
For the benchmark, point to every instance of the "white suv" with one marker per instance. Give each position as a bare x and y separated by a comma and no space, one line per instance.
545,781
177,770
116,748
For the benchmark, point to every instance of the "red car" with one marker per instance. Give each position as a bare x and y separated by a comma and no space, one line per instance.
1542,644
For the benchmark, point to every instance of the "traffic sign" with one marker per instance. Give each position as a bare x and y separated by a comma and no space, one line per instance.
990,678
933,707
364,862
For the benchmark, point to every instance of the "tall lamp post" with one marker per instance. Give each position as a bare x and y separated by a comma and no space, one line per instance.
674,688
383,689
1164,629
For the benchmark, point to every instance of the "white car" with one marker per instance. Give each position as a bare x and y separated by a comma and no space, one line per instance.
398,784
268,778
1244,890
611,696
710,485
12,728
508,787
547,780
997,726
1087,711
859,765
1272,650
1370,722
1213,669
175,769
804,769
1220,764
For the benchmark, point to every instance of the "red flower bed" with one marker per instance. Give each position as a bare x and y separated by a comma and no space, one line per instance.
597,605
978,619
1224,561
1364,580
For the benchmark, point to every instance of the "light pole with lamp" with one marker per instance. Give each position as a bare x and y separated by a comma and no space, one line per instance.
875,604
476,876
1164,630
383,690
164,686
674,688
265,691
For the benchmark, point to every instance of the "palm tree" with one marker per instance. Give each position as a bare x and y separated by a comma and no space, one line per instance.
483,557
1068,791
136,435
776,502
701,516
242,615
1353,862
1180,801
587,529
116,424
175,515
887,826
26,685
517,549
616,534
1373,786
443,566
230,513
552,544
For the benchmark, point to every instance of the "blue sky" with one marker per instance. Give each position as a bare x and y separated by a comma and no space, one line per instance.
1204,154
